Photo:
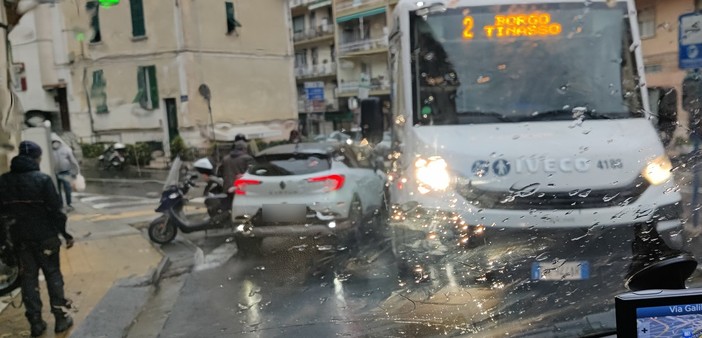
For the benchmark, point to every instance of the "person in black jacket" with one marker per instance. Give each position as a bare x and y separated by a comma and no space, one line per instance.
30,202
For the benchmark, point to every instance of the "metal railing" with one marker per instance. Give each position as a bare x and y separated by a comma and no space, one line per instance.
363,45
374,85
349,4
316,70
315,32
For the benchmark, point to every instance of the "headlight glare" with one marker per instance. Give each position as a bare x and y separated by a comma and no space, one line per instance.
658,171
432,174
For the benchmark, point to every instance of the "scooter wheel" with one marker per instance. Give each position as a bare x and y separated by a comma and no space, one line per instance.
162,231
9,278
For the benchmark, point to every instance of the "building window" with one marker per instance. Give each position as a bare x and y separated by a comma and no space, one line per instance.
147,94
232,23
98,93
647,22
315,56
655,68
299,24
93,9
138,26
333,52
301,58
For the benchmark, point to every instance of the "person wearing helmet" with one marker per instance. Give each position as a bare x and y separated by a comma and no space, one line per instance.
240,137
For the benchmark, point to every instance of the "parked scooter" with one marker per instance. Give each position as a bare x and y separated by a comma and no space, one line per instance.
114,157
9,264
164,229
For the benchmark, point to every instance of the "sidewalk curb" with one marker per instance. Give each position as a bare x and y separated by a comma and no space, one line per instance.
114,315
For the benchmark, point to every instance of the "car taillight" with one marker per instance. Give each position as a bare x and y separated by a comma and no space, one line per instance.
335,182
240,185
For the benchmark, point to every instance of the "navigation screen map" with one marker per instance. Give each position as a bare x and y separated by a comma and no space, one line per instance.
670,321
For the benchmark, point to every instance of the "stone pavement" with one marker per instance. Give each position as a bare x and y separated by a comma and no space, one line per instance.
107,250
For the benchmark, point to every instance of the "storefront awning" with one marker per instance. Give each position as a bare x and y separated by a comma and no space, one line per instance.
361,15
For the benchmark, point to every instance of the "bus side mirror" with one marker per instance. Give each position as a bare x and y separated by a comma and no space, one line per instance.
372,120
664,105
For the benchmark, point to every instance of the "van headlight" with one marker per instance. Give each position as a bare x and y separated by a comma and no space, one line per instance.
658,171
432,174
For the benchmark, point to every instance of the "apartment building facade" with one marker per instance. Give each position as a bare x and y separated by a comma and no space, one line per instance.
138,69
659,29
357,55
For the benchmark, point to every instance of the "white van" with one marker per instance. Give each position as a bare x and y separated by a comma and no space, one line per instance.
513,115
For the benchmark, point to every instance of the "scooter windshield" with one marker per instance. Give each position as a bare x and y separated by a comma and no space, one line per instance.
174,174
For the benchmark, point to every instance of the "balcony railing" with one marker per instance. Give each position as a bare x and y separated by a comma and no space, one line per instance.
349,4
312,33
363,45
375,84
326,69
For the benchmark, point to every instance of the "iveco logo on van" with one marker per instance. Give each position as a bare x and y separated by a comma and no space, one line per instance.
551,165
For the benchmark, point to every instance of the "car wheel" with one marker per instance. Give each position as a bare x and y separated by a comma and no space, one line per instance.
379,222
162,231
352,237
249,246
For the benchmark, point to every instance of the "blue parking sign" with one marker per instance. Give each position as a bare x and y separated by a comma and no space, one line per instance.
690,41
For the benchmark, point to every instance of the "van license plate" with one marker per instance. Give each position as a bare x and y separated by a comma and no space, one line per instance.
560,270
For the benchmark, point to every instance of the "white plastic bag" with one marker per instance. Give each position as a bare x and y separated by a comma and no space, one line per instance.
79,183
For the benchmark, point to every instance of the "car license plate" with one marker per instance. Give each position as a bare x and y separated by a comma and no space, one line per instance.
560,270
287,213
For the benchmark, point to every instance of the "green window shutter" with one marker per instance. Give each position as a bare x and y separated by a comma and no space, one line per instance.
98,93
138,25
147,84
153,86
94,9
232,24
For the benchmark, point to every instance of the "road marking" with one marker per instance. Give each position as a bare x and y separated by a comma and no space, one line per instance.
124,204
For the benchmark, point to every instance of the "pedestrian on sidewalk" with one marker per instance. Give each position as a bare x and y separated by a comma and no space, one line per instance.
30,202
66,168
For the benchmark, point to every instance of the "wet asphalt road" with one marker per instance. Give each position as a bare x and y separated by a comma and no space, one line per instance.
297,290
293,290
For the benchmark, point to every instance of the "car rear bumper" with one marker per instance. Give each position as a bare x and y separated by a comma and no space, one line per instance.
317,224
292,230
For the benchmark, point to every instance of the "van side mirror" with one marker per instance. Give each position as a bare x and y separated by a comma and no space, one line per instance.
664,105
372,120
692,92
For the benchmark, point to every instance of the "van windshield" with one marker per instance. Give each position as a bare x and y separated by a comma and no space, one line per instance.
512,63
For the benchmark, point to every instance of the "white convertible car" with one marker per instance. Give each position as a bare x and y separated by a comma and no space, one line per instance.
309,189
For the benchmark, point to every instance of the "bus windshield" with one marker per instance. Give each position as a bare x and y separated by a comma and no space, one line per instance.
515,63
